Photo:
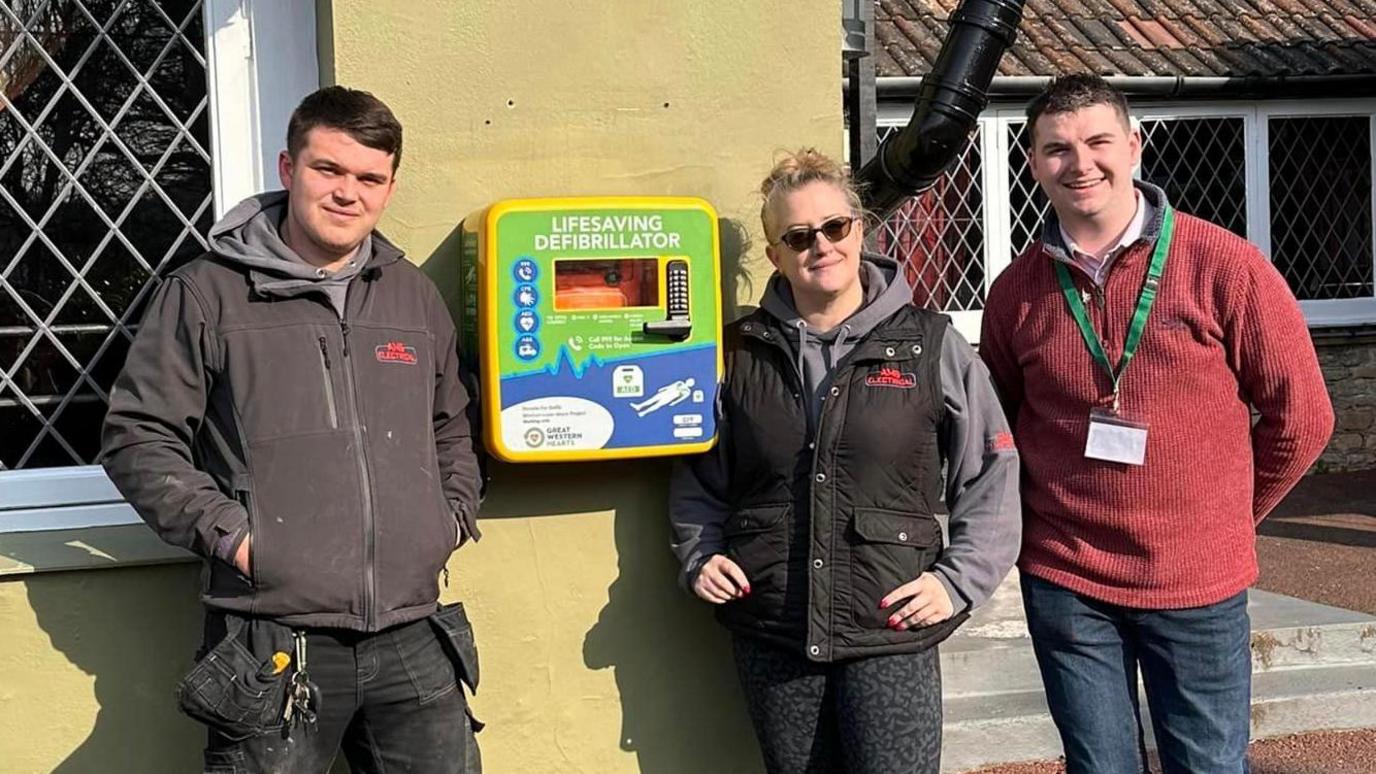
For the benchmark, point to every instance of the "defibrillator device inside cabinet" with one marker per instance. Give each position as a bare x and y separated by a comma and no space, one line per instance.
597,323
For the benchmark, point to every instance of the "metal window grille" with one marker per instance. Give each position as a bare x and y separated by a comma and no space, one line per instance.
938,237
1321,208
1027,205
1202,165
104,180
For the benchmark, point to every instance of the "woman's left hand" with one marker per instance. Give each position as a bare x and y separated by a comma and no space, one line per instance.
929,604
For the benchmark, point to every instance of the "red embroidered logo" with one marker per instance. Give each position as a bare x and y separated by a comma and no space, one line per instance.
1001,442
891,377
396,352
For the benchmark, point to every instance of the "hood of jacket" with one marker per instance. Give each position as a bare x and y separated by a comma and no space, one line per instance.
250,235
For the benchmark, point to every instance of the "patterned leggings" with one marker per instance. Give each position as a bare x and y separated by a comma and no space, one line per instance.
875,715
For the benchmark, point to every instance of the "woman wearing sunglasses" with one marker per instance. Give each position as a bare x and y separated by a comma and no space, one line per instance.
810,525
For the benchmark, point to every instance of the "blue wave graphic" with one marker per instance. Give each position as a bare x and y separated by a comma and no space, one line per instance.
639,420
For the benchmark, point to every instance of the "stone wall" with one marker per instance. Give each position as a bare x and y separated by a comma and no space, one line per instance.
1349,367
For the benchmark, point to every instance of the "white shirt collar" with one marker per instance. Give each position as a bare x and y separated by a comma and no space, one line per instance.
1096,267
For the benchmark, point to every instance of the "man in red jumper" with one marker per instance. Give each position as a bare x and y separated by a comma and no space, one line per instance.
1131,345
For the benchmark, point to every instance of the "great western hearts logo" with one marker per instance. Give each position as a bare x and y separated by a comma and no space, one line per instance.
396,352
891,377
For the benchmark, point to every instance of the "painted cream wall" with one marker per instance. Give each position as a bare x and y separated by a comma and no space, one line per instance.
592,660
88,661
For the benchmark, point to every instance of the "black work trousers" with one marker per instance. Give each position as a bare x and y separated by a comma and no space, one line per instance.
389,701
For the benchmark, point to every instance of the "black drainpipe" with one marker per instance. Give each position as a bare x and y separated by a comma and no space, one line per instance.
949,102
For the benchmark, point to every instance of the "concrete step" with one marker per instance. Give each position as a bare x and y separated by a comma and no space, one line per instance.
1289,632
1313,667
1014,725
992,653
1013,667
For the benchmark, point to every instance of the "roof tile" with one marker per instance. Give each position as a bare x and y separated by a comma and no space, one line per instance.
1153,33
1365,27
1157,37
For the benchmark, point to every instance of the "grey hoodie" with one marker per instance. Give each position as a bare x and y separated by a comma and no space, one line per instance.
250,234
985,526
818,351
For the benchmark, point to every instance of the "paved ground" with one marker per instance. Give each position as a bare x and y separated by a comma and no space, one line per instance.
1319,545
1334,752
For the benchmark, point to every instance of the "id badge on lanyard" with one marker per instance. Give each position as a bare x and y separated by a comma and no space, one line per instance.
1115,435
1116,438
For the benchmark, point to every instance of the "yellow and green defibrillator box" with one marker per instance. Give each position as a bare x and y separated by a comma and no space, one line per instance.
597,323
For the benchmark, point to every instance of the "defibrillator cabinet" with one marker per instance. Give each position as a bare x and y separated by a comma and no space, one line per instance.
597,325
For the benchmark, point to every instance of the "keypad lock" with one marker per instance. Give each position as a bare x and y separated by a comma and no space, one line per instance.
677,325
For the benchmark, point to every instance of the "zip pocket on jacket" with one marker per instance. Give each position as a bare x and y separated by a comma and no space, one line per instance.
329,383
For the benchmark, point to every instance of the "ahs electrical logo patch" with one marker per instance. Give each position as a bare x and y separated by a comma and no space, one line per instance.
891,377
396,352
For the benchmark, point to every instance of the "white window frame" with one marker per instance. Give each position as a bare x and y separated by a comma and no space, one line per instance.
1334,312
995,123
261,60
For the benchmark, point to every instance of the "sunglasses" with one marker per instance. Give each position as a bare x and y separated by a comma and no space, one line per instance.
800,239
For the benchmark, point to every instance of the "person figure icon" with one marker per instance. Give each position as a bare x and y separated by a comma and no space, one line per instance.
668,395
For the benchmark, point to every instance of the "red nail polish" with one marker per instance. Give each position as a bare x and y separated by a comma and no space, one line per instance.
746,590
883,603
893,621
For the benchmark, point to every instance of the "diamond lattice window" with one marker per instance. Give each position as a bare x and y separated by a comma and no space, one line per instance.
938,237
1027,205
1321,216
104,180
1202,165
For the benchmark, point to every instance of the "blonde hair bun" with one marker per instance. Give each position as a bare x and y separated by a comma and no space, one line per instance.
796,169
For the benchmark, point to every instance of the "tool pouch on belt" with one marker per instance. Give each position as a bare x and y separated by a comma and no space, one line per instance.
233,688
456,637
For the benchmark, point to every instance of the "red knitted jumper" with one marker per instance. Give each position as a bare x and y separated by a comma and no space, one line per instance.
1225,332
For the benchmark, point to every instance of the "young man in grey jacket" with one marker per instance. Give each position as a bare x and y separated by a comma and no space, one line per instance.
291,411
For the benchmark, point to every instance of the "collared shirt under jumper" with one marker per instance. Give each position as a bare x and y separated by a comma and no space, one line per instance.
1096,268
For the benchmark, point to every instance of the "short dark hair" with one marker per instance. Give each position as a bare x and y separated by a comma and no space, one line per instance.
356,113
1070,93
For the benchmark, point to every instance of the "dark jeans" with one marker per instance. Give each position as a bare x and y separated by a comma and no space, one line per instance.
1196,668
872,715
389,701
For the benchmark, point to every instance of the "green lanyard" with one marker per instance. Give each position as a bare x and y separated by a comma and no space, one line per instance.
1139,318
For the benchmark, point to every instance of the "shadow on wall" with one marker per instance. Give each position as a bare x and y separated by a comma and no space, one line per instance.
134,630
442,267
735,275
681,706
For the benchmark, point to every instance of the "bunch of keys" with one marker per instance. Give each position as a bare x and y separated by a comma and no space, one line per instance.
303,696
